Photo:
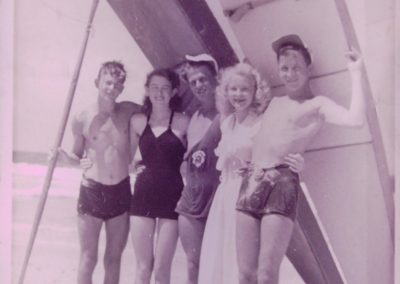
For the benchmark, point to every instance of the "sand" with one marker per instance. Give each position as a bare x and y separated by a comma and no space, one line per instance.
55,254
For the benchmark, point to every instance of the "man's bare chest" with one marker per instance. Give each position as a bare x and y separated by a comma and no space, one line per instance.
102,129
292,114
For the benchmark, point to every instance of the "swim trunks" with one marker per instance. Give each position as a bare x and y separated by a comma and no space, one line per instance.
202,177
202,180
104,201
259,198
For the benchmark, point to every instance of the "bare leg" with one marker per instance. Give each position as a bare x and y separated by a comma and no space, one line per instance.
191,232
89,230
248,247
167,238
117,230
142,232
276,232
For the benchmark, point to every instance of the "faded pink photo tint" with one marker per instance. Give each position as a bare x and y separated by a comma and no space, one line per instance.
346,227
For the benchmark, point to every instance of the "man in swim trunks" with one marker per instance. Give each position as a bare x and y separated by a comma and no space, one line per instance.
201,175
101,135
268,197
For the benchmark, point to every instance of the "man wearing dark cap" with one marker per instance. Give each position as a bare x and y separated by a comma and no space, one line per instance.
268,197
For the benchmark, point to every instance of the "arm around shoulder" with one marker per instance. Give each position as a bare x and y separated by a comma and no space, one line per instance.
131,107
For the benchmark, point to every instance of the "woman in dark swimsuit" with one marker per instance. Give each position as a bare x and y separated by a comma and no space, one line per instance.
159,133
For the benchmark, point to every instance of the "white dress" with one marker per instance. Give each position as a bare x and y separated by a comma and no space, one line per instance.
218,262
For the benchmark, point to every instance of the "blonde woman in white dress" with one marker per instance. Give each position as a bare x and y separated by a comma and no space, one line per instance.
241,97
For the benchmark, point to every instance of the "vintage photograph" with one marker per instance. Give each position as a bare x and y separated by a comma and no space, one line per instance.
198,141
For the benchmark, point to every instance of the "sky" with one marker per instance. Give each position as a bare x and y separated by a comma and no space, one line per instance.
48,38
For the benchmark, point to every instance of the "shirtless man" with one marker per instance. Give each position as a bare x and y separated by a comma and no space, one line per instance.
268,197
101,134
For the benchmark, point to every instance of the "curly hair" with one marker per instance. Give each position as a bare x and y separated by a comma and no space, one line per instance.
173,78
167,73
115,68
262,95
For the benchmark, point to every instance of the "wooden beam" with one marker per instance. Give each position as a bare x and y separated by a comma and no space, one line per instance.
208,29
168,30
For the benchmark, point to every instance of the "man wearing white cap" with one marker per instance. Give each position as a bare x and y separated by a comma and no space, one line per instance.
202,178
268,196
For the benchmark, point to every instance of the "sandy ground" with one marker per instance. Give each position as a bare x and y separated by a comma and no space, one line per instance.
56,250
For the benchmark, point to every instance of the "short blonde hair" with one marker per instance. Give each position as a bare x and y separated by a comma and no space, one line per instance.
262,95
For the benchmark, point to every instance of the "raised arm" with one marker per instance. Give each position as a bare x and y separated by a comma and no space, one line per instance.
354,116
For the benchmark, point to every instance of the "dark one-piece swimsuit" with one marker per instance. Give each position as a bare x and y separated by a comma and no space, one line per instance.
158,187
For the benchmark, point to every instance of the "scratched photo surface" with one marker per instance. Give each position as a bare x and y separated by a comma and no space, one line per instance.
345,220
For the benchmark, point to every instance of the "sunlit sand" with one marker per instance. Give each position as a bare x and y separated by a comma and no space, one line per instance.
55,253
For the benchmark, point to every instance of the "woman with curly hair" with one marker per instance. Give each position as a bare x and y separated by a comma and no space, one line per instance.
241,97
159,133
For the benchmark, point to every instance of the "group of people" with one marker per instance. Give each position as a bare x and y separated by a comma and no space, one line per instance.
220,175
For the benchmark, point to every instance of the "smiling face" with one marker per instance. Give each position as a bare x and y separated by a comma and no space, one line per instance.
240,92
202,83
160,90
109,86
293,70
